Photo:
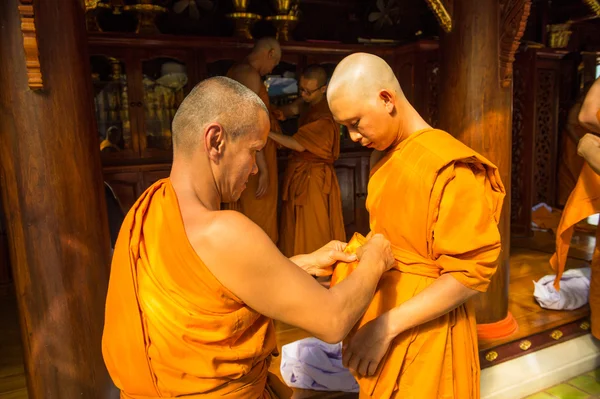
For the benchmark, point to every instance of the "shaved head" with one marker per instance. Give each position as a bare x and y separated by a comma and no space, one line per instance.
364,95
362,74
317,73
215,100
267,44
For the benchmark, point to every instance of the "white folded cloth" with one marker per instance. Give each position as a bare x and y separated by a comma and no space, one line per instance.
573,294
313,364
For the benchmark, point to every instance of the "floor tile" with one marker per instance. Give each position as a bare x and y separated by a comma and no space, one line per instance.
586,384
564,391
540,395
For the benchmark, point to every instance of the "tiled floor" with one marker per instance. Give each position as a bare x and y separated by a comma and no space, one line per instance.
586,386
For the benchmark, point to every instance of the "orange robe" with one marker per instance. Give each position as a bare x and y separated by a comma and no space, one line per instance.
311,213
569,163
262,211
583,202
438,202
171,328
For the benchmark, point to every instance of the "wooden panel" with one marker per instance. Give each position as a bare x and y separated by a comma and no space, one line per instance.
352,170
153,175
126,186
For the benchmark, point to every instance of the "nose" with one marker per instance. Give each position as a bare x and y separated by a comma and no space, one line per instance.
254,169
355,136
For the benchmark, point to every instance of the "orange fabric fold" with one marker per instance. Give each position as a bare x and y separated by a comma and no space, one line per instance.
171,328
262,211
312,206
438,202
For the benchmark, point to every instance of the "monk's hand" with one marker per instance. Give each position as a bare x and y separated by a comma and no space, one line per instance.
379,247
588,144
320,263
263,184
367,347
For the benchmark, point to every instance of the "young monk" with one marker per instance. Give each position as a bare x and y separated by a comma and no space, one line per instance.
259,201
584,201
193,289
311,214
439,203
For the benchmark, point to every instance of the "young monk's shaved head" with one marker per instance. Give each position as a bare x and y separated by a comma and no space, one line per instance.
362,74
364,95
317,73
215,100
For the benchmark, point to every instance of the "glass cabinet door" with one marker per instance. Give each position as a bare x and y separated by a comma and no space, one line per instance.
165,82
112,107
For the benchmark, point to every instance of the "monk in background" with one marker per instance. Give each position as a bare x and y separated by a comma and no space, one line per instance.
193,289
311,213
259,201
584,201
438,202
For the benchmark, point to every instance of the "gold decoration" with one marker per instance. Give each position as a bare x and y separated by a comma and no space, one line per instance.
441,13
559,35
243,23
585,325
92,9
284,24
594,5
491,356
556,334
30,45
524,345
146,15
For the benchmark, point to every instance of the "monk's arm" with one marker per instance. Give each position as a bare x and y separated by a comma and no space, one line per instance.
291,109
287,141
588,115
264,279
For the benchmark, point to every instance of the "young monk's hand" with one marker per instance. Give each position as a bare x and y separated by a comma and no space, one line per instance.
588,144
320,262
368,346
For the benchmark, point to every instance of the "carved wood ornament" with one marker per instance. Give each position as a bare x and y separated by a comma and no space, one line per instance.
441,13
513,19
30,45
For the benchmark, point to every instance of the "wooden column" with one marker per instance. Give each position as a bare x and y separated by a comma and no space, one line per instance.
53,197
475,106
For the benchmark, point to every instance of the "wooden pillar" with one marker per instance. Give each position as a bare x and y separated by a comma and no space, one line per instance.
475,106
53,197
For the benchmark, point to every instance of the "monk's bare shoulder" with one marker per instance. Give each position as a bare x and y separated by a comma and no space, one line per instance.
246,75
226,230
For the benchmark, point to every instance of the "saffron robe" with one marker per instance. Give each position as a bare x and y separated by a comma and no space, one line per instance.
262,211
439,203
171,328
583,202
311,213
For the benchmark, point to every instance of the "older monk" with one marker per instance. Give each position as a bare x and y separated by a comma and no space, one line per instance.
439,203
193,289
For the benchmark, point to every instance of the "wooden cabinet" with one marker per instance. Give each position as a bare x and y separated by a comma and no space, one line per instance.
535,133
352,170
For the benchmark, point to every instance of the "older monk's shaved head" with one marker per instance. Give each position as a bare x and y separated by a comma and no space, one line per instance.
215,100
362,74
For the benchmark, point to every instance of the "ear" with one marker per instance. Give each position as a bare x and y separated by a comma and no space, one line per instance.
214,141
271,53
388,100
324,89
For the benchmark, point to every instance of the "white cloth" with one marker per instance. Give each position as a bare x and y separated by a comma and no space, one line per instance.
573,294
313,364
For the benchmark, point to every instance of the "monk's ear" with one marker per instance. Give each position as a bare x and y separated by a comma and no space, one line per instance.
388,100
324,89
214,141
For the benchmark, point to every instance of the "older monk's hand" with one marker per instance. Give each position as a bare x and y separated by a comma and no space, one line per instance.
320,262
